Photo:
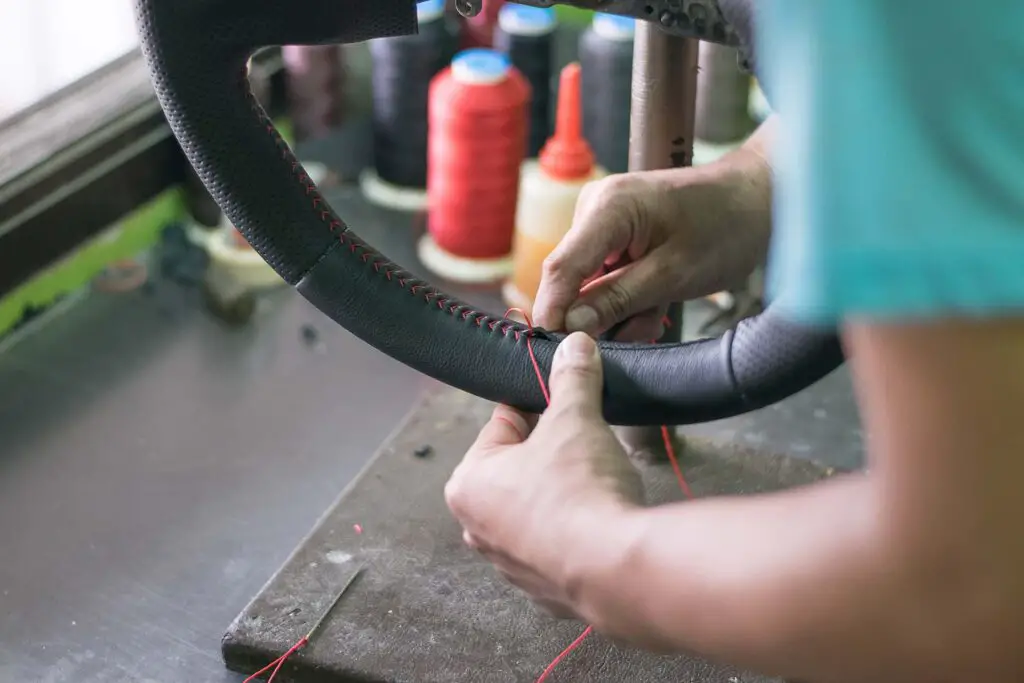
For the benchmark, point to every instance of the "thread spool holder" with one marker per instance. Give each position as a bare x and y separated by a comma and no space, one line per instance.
662,121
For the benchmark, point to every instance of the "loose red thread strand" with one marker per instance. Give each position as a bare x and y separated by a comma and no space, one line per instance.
279,662
565,653
666,436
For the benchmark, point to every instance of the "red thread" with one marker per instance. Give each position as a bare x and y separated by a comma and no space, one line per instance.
529,348
670,451
358,528
565,653
279,662
666,436
477,127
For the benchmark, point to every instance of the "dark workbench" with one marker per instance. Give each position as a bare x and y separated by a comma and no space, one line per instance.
157,467
426,609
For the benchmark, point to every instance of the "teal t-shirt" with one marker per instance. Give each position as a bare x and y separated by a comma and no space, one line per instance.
899,157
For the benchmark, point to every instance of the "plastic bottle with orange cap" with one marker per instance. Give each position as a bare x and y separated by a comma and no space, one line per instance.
548,191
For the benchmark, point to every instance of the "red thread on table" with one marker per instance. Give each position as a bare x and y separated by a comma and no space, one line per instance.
476,142
565,653
670,451
666,436
279,662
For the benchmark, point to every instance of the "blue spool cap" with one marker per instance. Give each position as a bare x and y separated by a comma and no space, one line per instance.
480,65
429,10
614,26
523,20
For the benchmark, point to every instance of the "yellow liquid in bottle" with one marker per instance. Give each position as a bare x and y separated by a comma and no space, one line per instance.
529,253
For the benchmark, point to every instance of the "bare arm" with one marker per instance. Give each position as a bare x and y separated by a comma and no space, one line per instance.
873,575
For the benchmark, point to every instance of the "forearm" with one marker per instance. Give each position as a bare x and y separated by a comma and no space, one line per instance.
788,584
872,576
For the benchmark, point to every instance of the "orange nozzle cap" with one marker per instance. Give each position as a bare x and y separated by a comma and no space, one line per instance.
566,155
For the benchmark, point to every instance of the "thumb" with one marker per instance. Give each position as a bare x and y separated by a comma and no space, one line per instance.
576,375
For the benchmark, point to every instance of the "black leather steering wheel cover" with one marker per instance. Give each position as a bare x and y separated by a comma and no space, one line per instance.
197,51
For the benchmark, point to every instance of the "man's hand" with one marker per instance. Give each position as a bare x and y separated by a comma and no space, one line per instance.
640,241
528,489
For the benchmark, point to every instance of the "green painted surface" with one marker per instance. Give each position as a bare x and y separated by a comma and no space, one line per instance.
574,15
285,130
126,238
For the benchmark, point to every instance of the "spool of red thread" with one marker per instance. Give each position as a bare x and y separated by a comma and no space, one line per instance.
478,117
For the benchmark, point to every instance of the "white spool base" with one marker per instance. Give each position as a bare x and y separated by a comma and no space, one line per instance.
317,172
391,196
707,152
242,264
458,269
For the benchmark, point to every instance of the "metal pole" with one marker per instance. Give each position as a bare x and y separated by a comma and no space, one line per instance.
664,98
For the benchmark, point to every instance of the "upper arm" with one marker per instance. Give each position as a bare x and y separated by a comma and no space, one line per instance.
899,157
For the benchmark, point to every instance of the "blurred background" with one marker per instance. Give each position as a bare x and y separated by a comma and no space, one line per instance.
56,42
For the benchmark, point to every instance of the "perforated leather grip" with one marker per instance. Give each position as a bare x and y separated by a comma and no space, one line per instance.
197,52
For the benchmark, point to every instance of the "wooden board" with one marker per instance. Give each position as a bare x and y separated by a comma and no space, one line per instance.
426,609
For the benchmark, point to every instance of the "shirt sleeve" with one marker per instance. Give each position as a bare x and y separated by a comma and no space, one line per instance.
899,158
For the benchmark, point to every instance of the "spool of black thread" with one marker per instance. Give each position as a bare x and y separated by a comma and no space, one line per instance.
527,36
402,70
606,64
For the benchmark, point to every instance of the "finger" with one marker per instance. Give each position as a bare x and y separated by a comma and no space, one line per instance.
507,427
628,291
601,228
644,327
576,375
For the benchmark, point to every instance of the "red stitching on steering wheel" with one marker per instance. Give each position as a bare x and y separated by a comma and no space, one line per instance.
380,263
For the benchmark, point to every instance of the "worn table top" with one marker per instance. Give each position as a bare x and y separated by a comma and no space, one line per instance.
426,609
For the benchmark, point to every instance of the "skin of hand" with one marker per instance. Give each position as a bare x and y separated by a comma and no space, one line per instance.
910,571
640,241
528,487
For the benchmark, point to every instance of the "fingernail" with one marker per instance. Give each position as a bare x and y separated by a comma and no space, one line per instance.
577,346
581,319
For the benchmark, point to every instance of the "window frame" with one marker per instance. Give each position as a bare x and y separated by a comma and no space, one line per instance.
80,159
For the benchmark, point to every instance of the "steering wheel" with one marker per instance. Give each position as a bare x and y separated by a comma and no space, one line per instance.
197,52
